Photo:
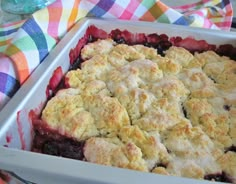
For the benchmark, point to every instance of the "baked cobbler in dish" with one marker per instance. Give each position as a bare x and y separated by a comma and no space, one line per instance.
129,107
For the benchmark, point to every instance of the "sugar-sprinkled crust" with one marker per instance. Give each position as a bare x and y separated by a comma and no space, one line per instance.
172,115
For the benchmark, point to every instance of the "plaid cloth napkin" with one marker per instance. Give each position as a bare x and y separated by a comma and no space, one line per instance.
25,44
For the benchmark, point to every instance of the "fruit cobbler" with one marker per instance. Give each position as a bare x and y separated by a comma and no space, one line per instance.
171,112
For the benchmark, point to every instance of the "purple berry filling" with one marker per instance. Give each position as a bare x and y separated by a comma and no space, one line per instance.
222,177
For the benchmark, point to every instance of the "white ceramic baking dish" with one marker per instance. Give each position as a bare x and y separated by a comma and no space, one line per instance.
16,128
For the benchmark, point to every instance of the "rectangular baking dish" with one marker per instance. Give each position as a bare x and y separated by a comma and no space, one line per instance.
16,127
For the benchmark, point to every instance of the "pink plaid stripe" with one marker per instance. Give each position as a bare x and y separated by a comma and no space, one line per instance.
128,13
12,25
187,7
55,13
116,10
4,64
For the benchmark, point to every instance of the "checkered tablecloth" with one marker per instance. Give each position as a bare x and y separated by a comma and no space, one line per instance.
25,44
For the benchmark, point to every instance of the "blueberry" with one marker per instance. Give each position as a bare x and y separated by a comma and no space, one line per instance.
72,150
165,45
218,177
160,50
227,107
120,40
184,111
168,150
225,49
231,148
51,148
161,165
65,148
147,44
212,79
76,64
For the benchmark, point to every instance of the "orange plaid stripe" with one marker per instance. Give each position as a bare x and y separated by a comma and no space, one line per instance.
155,12
20,62
73,15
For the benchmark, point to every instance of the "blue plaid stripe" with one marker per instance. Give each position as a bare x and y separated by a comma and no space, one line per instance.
224,3
8,84
101,8
36,34
183,20
8,32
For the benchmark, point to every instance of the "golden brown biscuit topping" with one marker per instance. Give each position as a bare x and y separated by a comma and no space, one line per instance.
173,115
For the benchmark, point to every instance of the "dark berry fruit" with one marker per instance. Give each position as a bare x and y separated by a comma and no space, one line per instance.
51,148
224,50
184,112
147,44
212,79
66,148
128,37
218,177
233,54
115,34
120,40
160,50
231,148
76,64
163,37
175,40
141,38
165,45
153,39
227,107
